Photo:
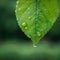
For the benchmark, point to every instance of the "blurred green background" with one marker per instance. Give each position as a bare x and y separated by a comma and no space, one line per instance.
15,45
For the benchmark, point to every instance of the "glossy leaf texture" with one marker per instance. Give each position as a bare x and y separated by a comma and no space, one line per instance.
36,17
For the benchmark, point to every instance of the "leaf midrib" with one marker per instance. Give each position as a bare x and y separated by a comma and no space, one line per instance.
37,15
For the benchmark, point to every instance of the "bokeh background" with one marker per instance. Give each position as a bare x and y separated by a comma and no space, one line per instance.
15,45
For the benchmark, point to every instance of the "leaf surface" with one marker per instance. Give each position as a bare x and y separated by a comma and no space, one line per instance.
36,17
59,5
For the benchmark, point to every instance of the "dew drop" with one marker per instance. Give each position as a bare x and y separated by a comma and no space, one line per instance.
29,17
34,45
26,28
19,8
17,2
23,24
38,34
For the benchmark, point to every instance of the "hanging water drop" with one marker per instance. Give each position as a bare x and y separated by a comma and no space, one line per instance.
34,45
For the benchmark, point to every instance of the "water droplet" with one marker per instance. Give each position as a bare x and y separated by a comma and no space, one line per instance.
38,34
17,2
34,45
26,28
19,8
29,17
23,24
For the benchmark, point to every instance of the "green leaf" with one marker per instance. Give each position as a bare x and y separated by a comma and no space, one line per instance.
36,17
59,5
